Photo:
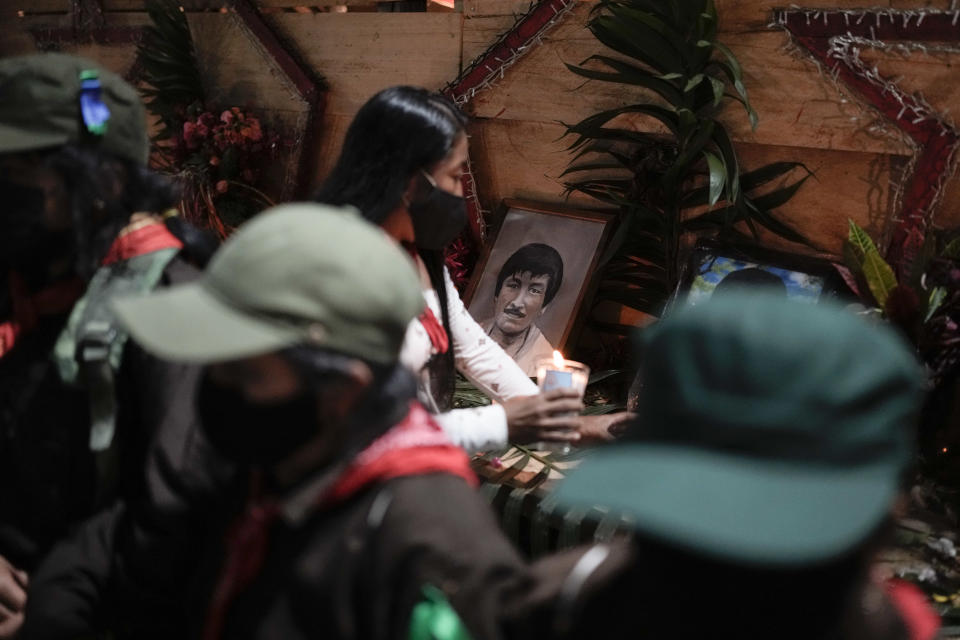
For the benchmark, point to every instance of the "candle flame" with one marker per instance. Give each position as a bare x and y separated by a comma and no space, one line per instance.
558,360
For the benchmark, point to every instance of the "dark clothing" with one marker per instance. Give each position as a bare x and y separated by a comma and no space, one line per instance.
355,569
353,573
49,478
608,591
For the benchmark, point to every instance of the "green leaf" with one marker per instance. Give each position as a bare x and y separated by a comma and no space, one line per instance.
733,75
880,277
732,61
937,296
748,181
861,242
722,139
718,176
591,126
625,73
718,90
592,166
768,173
952,250
636,41
693,82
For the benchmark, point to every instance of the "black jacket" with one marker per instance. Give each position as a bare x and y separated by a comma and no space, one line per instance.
48,475
352,571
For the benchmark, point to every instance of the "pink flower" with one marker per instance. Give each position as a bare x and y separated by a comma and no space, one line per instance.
222,186
214,160
252,130
190,134
226,117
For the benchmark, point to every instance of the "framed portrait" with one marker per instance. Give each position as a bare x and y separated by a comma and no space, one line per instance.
532,280
716,266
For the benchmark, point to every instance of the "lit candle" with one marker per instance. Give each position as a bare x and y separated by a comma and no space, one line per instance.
558,377
559,373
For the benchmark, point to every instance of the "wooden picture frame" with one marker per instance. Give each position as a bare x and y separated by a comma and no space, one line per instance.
576,237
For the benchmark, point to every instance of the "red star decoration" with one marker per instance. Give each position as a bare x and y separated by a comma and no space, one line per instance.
829,36
490,66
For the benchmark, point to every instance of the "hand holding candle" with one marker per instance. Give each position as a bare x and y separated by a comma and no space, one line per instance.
558,373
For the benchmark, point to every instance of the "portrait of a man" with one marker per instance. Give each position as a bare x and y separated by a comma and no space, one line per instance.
531,281
526,285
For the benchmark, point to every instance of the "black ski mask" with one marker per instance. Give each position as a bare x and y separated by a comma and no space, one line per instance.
26,245
255,433
438,217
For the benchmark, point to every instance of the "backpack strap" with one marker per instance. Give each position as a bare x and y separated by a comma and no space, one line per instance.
90,348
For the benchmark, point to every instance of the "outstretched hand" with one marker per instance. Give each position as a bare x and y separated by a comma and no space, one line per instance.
604,428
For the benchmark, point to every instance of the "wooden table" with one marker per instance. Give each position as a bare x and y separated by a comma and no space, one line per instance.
518,482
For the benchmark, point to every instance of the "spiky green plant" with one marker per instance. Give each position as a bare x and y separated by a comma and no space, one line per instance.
686,178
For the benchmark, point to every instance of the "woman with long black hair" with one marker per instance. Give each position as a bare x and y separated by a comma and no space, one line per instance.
401,166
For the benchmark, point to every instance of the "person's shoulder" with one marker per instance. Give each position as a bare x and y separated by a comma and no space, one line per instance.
434,497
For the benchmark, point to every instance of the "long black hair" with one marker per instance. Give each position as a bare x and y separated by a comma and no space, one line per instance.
398,133
104,191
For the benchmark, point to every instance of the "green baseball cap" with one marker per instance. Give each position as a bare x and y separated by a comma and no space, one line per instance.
768,432
295,274
51,99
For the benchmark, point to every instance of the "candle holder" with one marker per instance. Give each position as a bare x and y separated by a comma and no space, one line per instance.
557,373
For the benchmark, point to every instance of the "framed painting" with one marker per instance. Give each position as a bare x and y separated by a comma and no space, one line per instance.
533,278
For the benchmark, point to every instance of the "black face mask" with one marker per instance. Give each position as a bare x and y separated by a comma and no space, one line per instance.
26,245
438,217
255,433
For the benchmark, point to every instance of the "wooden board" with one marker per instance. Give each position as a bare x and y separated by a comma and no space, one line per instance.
524,160
797,105
473,8
362,53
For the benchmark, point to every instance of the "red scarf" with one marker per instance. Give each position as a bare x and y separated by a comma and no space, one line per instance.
438,335
434,328
921,620
415,446
152,236
60,297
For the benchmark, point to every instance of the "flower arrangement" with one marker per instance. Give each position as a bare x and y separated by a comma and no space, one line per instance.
217,155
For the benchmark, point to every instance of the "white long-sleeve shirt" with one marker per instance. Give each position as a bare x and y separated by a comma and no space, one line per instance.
480,360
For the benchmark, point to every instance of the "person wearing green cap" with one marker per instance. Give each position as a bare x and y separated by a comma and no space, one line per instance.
79,224
761,476
328,501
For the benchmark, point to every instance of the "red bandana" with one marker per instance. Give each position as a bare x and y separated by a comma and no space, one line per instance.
60,297
438,335
921,620
415,446
434,328
151,237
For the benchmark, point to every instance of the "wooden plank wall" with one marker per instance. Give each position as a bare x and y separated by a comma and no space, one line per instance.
515,128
